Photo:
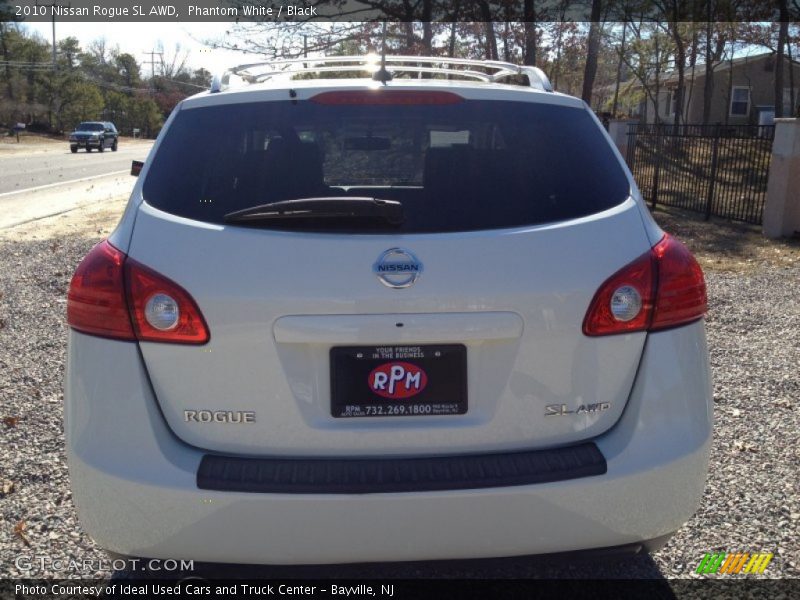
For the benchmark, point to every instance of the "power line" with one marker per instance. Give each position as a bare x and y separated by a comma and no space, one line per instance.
32,66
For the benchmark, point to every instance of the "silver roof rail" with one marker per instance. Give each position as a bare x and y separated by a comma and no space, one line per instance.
457,68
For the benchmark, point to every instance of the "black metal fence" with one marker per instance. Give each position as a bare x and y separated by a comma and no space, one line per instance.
718,170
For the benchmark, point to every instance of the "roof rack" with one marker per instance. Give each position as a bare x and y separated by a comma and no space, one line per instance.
490,71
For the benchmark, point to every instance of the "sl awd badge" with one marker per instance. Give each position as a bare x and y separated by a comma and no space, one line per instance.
561,410
397,268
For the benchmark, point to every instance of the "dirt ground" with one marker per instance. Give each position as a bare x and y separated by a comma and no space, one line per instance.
722,245
92,221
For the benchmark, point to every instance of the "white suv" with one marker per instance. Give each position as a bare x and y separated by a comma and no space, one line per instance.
351,320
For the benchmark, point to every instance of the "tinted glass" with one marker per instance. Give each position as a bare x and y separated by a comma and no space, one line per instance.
456,167
90,127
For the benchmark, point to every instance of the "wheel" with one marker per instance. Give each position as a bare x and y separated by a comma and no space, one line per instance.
73,149
88,148
102,146
114,146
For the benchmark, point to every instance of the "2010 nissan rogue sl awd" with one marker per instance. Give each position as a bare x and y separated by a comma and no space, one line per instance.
350,320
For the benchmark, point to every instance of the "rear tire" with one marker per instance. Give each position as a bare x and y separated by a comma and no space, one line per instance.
114,146
102,146
73,149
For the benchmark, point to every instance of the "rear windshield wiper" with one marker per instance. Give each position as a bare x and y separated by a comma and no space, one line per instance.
334,207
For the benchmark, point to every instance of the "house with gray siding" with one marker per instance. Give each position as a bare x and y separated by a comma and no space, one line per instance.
744,88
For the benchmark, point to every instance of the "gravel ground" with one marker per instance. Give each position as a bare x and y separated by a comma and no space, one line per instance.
752,500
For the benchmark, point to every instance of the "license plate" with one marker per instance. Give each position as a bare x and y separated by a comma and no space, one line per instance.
398,381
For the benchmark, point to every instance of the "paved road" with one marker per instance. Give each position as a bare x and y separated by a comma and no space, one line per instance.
45,180
57,165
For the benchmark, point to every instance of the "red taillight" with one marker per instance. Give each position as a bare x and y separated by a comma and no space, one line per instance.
109,296
681,287
640,274
144,285
669,283
381,96
96,298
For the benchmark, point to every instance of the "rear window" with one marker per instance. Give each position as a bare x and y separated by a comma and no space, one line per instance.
454,167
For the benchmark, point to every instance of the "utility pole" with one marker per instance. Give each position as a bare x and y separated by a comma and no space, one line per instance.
52,6
152,63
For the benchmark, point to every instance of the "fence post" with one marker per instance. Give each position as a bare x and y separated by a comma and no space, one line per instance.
657,167
618,130
782,208
713,180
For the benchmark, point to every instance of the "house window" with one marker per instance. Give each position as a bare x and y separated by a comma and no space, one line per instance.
740,101
668,105
788,109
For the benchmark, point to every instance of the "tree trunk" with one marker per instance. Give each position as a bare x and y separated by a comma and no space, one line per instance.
590,70
657,103
409,27
708,82
529,16
491,40
730,86
427,30
792,100
555,69
451,48
680,59
692,64
4,45
779,58
506,46
615,103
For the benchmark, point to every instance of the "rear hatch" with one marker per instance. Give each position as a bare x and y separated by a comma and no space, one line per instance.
455,330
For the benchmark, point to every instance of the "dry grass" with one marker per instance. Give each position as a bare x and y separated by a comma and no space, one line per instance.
29,139
722,245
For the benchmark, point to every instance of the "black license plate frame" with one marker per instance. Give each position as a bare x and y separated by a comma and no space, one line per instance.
356,370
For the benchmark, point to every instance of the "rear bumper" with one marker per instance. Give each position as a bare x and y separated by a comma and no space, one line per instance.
135,484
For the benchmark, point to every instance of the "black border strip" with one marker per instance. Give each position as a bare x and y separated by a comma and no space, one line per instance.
397,475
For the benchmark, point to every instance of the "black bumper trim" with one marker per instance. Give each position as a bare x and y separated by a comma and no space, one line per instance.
396,475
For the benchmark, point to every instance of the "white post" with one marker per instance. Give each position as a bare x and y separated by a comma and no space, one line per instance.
782,208
618,130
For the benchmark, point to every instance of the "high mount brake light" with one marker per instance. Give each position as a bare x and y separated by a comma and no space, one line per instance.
666,283
386,97
115,297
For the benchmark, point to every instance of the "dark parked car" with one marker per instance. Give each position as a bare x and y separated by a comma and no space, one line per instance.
94,134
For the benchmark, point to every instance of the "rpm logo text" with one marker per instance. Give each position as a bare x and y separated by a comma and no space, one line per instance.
397,380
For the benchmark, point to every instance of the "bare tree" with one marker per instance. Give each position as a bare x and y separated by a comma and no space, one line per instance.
174,62
647,60
286,40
